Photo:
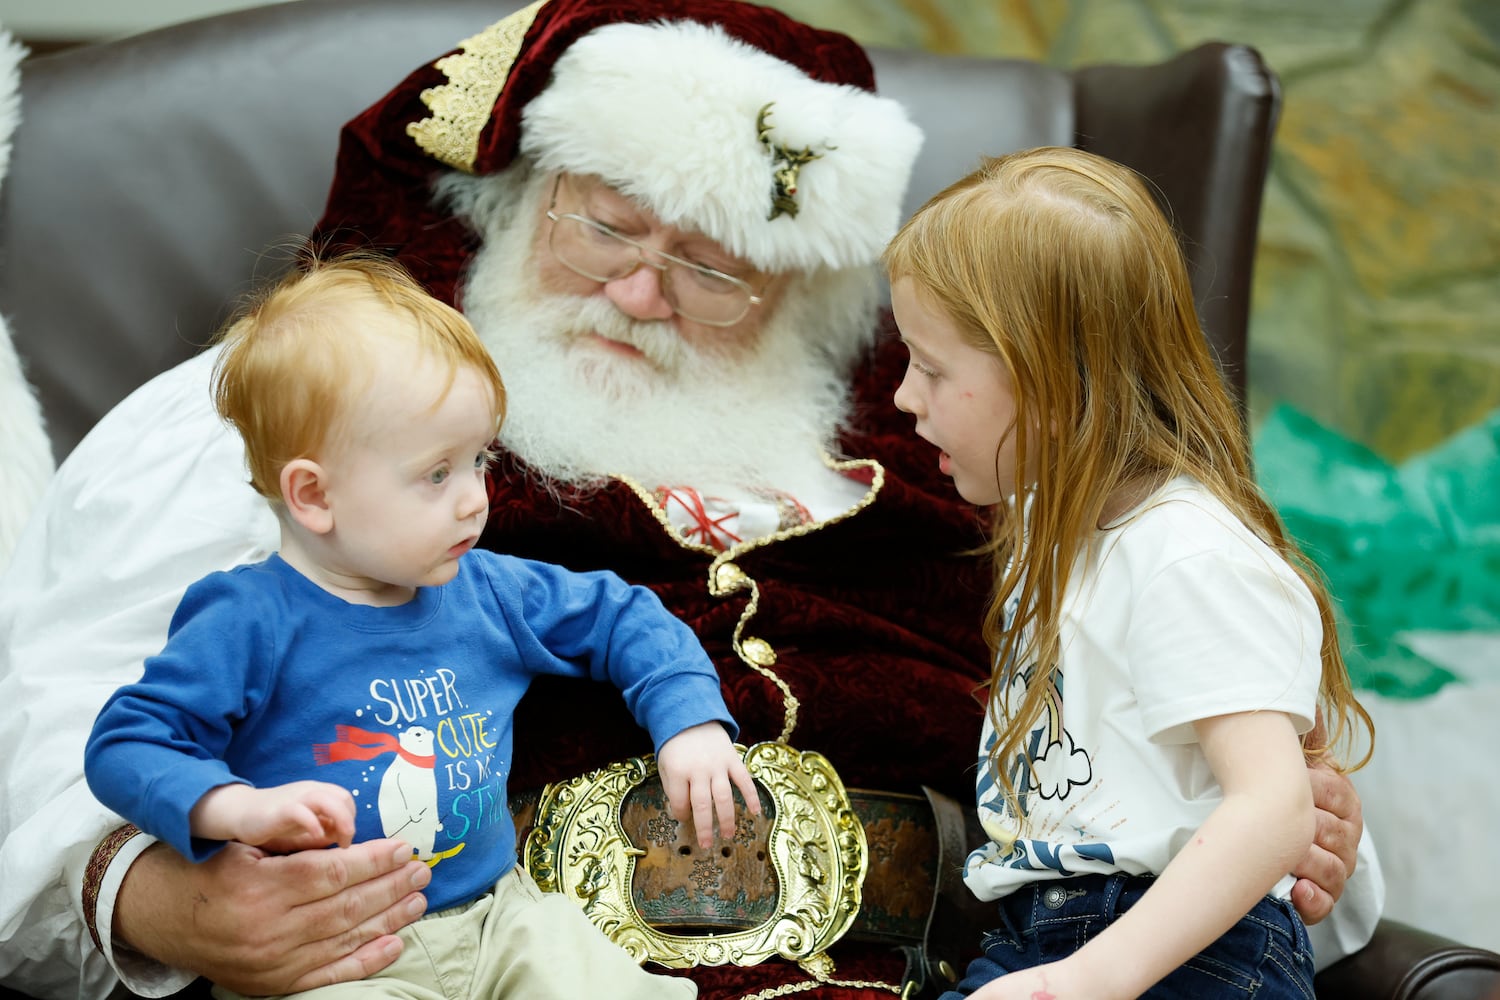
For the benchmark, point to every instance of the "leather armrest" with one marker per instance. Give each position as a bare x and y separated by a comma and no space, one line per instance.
1404,963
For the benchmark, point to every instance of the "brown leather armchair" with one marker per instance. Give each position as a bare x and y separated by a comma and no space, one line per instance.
149,173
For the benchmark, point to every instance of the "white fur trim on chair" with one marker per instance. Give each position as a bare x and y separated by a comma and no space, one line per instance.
26,461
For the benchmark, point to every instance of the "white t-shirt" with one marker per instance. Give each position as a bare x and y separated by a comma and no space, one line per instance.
1180,613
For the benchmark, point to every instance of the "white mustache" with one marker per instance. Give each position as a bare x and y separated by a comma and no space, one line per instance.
580,316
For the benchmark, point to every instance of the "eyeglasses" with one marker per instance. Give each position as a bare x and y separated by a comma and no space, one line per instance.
695,292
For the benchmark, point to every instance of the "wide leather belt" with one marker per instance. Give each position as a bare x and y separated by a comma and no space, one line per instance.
826,861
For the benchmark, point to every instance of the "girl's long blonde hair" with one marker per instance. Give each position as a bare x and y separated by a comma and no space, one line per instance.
1059,262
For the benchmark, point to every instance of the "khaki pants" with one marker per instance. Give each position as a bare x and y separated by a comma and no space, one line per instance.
516,942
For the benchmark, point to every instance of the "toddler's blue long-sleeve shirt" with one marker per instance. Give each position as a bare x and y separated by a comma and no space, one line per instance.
267,678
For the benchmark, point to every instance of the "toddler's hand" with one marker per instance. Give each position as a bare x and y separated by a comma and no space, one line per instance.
291,817
700,769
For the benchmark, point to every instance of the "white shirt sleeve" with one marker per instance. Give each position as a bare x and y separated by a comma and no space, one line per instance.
1227,627
153,498
141,975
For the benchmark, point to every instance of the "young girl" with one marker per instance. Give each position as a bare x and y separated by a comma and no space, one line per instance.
1160,643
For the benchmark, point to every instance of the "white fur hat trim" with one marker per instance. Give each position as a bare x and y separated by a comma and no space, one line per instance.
667,114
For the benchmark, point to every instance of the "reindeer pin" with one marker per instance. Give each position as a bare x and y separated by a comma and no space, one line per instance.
785,163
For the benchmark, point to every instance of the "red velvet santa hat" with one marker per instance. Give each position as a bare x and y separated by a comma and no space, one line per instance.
719,116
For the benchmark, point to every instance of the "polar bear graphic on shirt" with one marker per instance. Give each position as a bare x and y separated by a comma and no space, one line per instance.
408,800
408,797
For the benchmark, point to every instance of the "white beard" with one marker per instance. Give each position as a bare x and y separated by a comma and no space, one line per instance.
680,415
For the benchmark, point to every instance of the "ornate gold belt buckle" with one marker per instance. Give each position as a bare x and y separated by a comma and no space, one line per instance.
815,849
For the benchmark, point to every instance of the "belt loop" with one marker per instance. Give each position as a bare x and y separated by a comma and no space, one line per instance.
1114,885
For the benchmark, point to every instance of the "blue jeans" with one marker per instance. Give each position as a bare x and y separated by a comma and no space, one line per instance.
1266,955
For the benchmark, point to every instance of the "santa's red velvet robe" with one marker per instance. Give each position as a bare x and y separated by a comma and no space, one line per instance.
874,621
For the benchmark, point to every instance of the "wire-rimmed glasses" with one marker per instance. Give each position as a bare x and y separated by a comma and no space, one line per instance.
695,292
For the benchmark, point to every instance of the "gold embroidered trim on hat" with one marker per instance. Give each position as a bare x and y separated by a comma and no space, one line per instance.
785,163
725,576
461,108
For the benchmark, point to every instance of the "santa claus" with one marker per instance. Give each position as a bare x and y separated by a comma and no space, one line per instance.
672,269
662,216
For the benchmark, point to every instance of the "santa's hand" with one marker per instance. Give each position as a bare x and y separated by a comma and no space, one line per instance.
1330,861
700,768
261,924
290,817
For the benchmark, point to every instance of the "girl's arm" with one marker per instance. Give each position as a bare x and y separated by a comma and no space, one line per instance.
1247,844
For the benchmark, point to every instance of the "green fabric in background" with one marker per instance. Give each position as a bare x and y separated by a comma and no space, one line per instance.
1414,547
1376,285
